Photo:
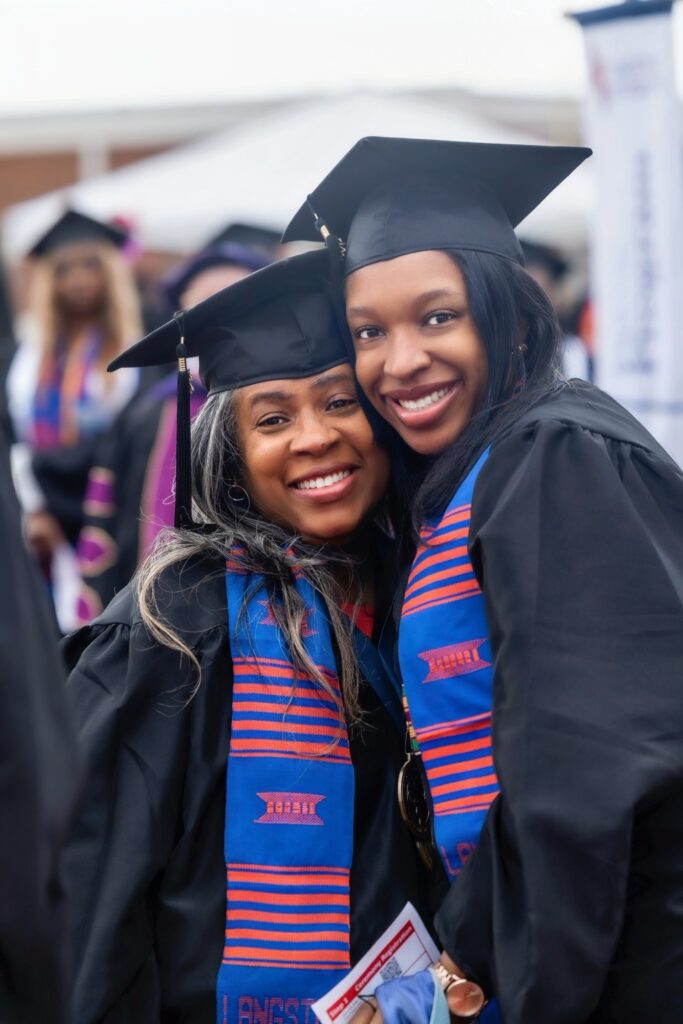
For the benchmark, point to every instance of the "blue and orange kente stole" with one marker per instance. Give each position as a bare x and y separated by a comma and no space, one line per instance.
446,667
289,817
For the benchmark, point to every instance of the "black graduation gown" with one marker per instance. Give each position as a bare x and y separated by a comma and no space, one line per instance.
146,867
123,452
62,474
126,453
38,784
571,908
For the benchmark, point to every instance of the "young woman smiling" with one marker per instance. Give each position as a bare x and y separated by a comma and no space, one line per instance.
245,644
541,633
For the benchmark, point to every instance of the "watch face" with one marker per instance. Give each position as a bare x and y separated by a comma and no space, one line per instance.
464,998
413,798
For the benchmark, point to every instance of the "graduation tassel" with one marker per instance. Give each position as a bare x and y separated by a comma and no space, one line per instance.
336,252
183,471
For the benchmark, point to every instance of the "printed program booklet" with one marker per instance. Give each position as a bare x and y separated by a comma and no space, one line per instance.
406,947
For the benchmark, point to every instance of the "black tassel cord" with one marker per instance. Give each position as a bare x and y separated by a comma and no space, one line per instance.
183,470
336,252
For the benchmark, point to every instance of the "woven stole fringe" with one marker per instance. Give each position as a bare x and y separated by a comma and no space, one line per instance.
446,667
289,818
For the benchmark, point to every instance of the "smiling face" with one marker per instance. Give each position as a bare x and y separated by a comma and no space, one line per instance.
310,460
419,358
79,279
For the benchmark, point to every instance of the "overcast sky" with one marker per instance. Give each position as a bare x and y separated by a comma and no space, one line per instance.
75,54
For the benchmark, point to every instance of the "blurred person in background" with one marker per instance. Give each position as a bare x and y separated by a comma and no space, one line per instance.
38,785
253,236
129,498
83,311
550,270
579,343
153,311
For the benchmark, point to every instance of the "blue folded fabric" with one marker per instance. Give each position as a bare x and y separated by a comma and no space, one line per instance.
417,999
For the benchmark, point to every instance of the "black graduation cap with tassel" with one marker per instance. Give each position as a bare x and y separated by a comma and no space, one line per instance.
274,324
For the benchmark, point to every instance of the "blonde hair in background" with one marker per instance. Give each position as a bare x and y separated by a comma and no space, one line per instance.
121,322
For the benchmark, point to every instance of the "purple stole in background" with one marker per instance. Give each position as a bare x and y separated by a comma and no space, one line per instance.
157,505
446,668
288,820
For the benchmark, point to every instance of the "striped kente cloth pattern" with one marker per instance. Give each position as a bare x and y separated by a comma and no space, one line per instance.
289,917
279,713
289,814
446,667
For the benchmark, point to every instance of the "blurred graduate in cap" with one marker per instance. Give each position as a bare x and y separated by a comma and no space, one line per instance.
541,626
129,494
83,311
265,240
244,651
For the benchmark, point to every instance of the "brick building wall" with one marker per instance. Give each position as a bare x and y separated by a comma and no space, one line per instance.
25,175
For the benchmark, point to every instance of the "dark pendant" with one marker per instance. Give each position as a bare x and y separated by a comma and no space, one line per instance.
414,800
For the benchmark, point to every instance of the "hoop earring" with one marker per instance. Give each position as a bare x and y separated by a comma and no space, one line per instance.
237,495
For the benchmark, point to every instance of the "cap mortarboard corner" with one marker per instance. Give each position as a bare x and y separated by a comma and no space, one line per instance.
390,196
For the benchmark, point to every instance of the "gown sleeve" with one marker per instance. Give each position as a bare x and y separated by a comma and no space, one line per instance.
137,727
38,786
577,541
109,543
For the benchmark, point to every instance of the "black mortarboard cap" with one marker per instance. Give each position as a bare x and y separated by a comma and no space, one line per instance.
388,197
216,255
77,227
252,235
277,323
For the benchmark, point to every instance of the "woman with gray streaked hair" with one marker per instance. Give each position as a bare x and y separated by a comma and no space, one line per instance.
246,643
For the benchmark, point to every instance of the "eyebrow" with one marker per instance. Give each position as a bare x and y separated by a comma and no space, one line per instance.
343,377
329,379
437,293
270,396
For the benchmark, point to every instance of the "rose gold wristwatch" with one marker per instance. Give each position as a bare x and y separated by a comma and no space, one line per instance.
471,994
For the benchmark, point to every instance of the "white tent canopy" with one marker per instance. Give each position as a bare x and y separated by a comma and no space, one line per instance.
261,172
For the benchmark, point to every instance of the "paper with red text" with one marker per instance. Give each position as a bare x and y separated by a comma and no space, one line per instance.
405,948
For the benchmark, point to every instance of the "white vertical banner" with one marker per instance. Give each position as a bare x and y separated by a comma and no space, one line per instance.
634,127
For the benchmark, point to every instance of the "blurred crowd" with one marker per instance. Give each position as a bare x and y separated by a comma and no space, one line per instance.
92,453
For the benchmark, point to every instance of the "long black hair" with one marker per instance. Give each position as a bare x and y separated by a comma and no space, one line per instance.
521,335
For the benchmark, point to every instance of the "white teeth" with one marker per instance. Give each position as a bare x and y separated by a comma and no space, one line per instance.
424,402
322,481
